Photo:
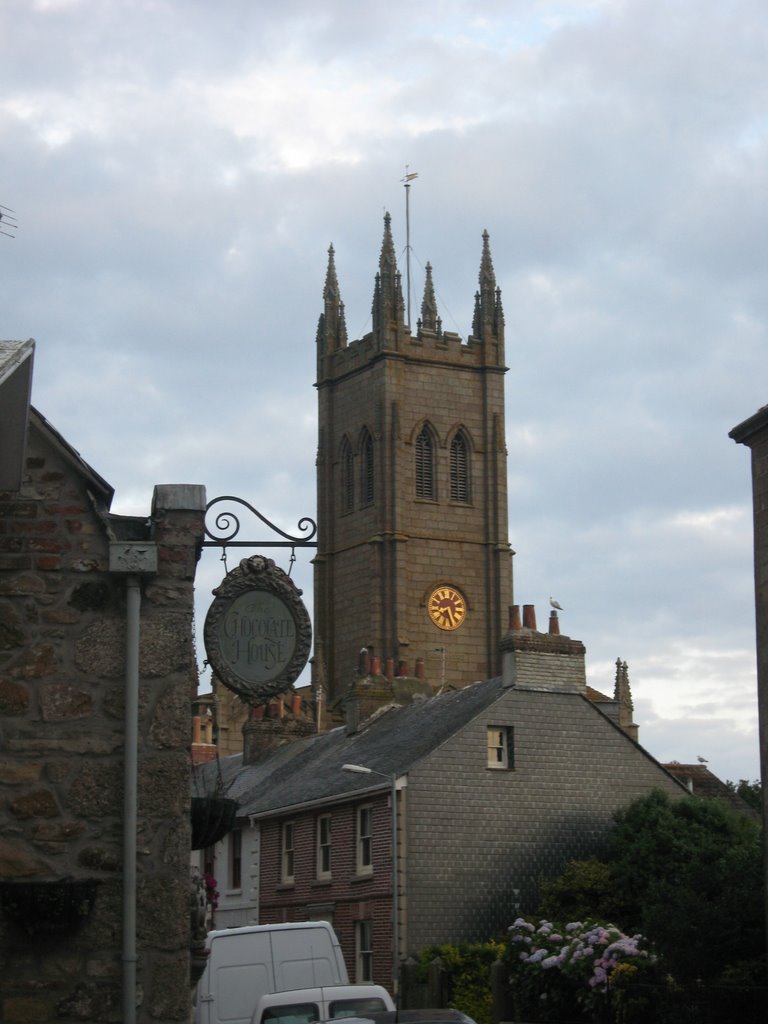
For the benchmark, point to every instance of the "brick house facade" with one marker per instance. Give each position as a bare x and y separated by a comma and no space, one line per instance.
499,784
64,600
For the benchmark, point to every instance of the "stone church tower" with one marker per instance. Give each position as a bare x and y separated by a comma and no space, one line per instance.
413,561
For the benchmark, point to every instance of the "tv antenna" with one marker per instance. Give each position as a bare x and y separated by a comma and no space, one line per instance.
7,221
407,183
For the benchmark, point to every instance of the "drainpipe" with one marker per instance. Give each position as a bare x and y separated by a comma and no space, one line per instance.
132,559
130,786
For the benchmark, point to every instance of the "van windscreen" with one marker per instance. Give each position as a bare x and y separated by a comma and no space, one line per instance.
291,1013
355,1007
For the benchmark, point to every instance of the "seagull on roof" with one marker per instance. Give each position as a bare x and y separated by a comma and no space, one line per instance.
701,760
555,604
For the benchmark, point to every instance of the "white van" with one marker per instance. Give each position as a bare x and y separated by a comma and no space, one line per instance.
246,963
322,1003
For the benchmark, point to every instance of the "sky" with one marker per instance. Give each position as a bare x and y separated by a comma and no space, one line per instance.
179,168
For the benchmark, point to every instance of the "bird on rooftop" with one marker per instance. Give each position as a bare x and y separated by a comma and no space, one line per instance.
555,604
701,760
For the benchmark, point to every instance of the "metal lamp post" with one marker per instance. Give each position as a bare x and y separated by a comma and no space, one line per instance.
359,769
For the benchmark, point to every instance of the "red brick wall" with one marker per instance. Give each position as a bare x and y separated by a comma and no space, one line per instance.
349,897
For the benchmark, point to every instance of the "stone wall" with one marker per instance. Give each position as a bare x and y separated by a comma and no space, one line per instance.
62,702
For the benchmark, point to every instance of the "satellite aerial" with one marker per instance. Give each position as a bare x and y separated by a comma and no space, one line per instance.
7,220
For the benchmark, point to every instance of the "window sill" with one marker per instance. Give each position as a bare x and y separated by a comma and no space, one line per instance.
283,886
361,876
319,882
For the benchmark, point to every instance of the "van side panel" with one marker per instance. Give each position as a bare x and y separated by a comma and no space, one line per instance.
306,958
239,971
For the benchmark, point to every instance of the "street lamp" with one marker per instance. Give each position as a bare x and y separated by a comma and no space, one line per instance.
359,769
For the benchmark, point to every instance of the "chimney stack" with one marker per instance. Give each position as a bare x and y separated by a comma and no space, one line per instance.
529,616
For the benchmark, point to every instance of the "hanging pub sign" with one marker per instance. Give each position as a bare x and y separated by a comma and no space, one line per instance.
257,631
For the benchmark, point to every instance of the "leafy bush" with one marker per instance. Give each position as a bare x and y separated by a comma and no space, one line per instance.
467,969
577,971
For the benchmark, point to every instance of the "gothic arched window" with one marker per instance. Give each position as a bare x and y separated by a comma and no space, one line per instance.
347,477
460,489
366,473
426,485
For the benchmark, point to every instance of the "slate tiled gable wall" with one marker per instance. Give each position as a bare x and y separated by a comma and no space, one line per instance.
573,769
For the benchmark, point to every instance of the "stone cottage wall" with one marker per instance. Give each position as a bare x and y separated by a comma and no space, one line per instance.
62,686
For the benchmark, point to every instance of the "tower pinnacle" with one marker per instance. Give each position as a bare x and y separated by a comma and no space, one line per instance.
430,321
388,306
332,328
488,320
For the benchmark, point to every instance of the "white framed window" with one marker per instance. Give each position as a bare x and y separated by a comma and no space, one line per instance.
501,746
323,847
363,951
236,859
287,853
364,836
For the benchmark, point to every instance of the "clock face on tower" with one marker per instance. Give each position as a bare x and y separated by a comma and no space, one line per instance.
446,607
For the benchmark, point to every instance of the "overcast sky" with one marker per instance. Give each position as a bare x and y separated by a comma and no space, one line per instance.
178,169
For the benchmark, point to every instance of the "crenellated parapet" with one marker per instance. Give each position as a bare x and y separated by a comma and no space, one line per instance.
390,335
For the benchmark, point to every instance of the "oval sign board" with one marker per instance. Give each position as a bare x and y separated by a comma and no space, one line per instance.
257,631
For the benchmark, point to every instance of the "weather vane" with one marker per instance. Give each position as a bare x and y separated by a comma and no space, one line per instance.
407,183
7,220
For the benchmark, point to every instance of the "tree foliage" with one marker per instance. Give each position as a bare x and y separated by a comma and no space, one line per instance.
750,792
685,873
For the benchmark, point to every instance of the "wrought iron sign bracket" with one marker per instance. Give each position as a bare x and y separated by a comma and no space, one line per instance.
223,531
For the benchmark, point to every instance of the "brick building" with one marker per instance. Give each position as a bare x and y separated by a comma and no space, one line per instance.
97,670
413,551
498,784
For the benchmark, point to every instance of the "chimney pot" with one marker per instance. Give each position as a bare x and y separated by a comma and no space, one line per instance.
514,616
529,616
375,665
389,669
419,668
554,624
296,703
402,669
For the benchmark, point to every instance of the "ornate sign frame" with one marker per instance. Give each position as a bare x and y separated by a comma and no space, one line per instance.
257,631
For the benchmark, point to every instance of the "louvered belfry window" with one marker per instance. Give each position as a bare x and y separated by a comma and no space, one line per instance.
347,478
366,481
425,464
460,468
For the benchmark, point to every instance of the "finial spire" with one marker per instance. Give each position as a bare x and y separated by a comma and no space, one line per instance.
621,690
429,317
388,294
332,328
488,320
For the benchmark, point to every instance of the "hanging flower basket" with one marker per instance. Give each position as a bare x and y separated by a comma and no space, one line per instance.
212,818
51,906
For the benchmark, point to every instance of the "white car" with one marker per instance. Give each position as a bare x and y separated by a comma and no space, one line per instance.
326,1002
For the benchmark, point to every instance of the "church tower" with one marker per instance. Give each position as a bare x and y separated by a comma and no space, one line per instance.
413,563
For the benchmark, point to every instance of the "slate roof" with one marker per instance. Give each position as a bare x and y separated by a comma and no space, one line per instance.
703,782
308,770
